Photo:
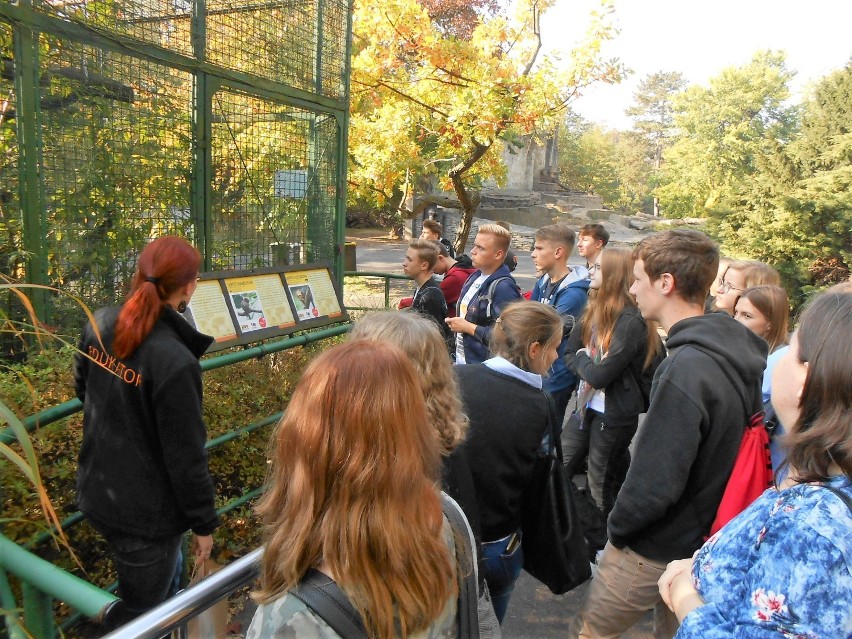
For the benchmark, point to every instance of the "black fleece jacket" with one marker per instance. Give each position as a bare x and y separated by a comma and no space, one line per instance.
685,450
143,466
619,372
508,419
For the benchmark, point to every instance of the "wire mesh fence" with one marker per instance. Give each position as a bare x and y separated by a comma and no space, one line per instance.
220,121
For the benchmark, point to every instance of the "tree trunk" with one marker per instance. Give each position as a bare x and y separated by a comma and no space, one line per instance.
469,202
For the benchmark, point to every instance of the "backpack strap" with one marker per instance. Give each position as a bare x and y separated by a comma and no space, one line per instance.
329,602
489,295
466,568
846,499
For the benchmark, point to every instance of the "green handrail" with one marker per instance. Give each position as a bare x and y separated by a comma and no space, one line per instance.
44,576
68,408
387,277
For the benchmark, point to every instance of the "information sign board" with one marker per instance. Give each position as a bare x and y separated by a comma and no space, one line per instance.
240,307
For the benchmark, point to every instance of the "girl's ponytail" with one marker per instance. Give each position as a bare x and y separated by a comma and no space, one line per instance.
165,265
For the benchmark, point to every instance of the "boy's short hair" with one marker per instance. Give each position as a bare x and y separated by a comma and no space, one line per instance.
427,251
504,237
443,249
434,226
691,257
596,231
557,233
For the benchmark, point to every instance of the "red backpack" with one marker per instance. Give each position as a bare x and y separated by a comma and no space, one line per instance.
752,472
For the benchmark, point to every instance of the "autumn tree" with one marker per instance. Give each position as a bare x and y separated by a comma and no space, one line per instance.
429,104
722,131
459,18
653,114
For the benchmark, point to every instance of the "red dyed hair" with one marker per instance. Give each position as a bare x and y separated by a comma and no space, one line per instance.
172,263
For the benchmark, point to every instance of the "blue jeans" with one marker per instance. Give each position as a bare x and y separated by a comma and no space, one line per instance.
502,570
148,571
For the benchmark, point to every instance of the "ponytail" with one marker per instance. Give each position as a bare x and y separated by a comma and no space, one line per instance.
165,265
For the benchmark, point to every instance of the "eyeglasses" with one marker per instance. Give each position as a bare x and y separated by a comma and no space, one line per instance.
726,288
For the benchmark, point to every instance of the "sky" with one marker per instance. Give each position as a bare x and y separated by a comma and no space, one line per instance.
699,39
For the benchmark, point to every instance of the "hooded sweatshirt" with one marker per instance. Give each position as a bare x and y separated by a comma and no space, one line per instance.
454,279
685,451
569,299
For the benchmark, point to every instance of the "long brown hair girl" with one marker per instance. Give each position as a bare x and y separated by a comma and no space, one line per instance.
611,351
612,298
352,492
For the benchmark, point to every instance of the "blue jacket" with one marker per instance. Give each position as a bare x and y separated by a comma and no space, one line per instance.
570,300
476,345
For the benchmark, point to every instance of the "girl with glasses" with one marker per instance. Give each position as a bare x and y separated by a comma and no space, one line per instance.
739,276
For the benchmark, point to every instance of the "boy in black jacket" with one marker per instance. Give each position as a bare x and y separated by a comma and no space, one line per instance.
428,299
685,451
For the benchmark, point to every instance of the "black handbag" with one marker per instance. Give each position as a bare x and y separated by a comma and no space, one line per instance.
554,546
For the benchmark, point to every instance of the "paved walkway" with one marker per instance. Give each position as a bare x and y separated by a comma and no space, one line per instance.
535,613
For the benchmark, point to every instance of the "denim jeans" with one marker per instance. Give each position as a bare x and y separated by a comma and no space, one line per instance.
502,570
147,569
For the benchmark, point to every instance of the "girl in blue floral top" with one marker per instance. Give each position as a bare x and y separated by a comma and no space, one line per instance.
783,567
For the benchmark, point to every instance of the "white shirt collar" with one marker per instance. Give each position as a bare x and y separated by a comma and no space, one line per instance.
502,365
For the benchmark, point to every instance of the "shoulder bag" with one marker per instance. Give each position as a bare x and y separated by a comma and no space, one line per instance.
555,550
752,471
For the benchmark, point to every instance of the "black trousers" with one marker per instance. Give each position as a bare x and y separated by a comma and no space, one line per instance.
146,572
607,449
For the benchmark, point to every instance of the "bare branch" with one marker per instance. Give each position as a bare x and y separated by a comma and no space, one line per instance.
537,32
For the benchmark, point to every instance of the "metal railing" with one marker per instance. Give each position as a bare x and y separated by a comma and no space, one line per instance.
387,278
178,610
42,582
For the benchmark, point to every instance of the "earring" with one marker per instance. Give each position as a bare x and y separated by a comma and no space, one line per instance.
181,308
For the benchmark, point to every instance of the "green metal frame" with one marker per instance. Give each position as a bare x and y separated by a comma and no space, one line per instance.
208,78
387,278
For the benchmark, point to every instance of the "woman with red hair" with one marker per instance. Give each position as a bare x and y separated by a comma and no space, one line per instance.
142,478
352,494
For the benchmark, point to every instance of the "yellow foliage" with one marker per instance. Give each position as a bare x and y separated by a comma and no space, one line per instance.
424,102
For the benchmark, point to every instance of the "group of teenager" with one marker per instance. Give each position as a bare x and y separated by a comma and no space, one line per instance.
458,394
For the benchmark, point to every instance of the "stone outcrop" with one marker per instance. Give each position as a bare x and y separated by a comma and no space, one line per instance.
527,211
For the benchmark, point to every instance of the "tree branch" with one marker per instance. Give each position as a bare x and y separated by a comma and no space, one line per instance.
380,83
537,32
